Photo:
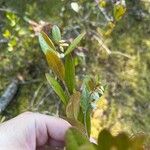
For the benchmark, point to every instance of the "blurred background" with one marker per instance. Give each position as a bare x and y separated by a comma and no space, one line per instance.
118,52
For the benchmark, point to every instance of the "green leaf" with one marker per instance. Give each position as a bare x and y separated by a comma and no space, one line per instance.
70,73
46,43
87,122
73,107
56,34
87,147
105,140
86,105
7,34
74,44
122,141
57,88
85,98
74,139
77,124
119,11
56,64
81,116
102,3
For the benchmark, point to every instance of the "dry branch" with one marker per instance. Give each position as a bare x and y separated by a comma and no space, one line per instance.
8,95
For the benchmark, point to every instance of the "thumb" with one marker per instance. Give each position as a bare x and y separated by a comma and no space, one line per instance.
49,127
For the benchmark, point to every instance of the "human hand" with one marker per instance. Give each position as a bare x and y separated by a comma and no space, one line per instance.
32,131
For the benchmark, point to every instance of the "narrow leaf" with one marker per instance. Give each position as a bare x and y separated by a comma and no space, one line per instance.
74,44
46,43
73,107
75,139
57,88
70,73
86,105
85,98
56,34
55,64
87,123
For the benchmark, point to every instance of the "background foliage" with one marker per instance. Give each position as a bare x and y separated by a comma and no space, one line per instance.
121,59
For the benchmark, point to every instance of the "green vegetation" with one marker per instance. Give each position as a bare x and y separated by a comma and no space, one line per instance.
114,51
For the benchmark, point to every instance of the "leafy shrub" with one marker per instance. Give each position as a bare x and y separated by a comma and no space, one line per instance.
78,100
78,103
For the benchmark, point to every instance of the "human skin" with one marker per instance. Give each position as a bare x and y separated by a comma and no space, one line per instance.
32,131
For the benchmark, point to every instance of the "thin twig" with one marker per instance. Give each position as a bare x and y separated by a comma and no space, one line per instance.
30,82
57,108
122,54
7,10
35,95
43,99
101,42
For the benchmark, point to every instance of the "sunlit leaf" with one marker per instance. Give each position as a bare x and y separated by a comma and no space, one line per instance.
55,64
70,73
7,34
73,107
12,18
74,44
57,88
56,34
119,11
75,139
105,140
102,3
108,32
111,25
46,43
12,42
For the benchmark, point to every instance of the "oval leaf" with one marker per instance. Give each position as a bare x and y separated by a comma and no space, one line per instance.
55,64
57,88
70,73
46,43
75,139
105,140
56,34
119,11
43,44
87,147
74,44
122,141
77,124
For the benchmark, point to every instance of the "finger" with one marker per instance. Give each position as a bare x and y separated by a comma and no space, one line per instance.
52,145
49,127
